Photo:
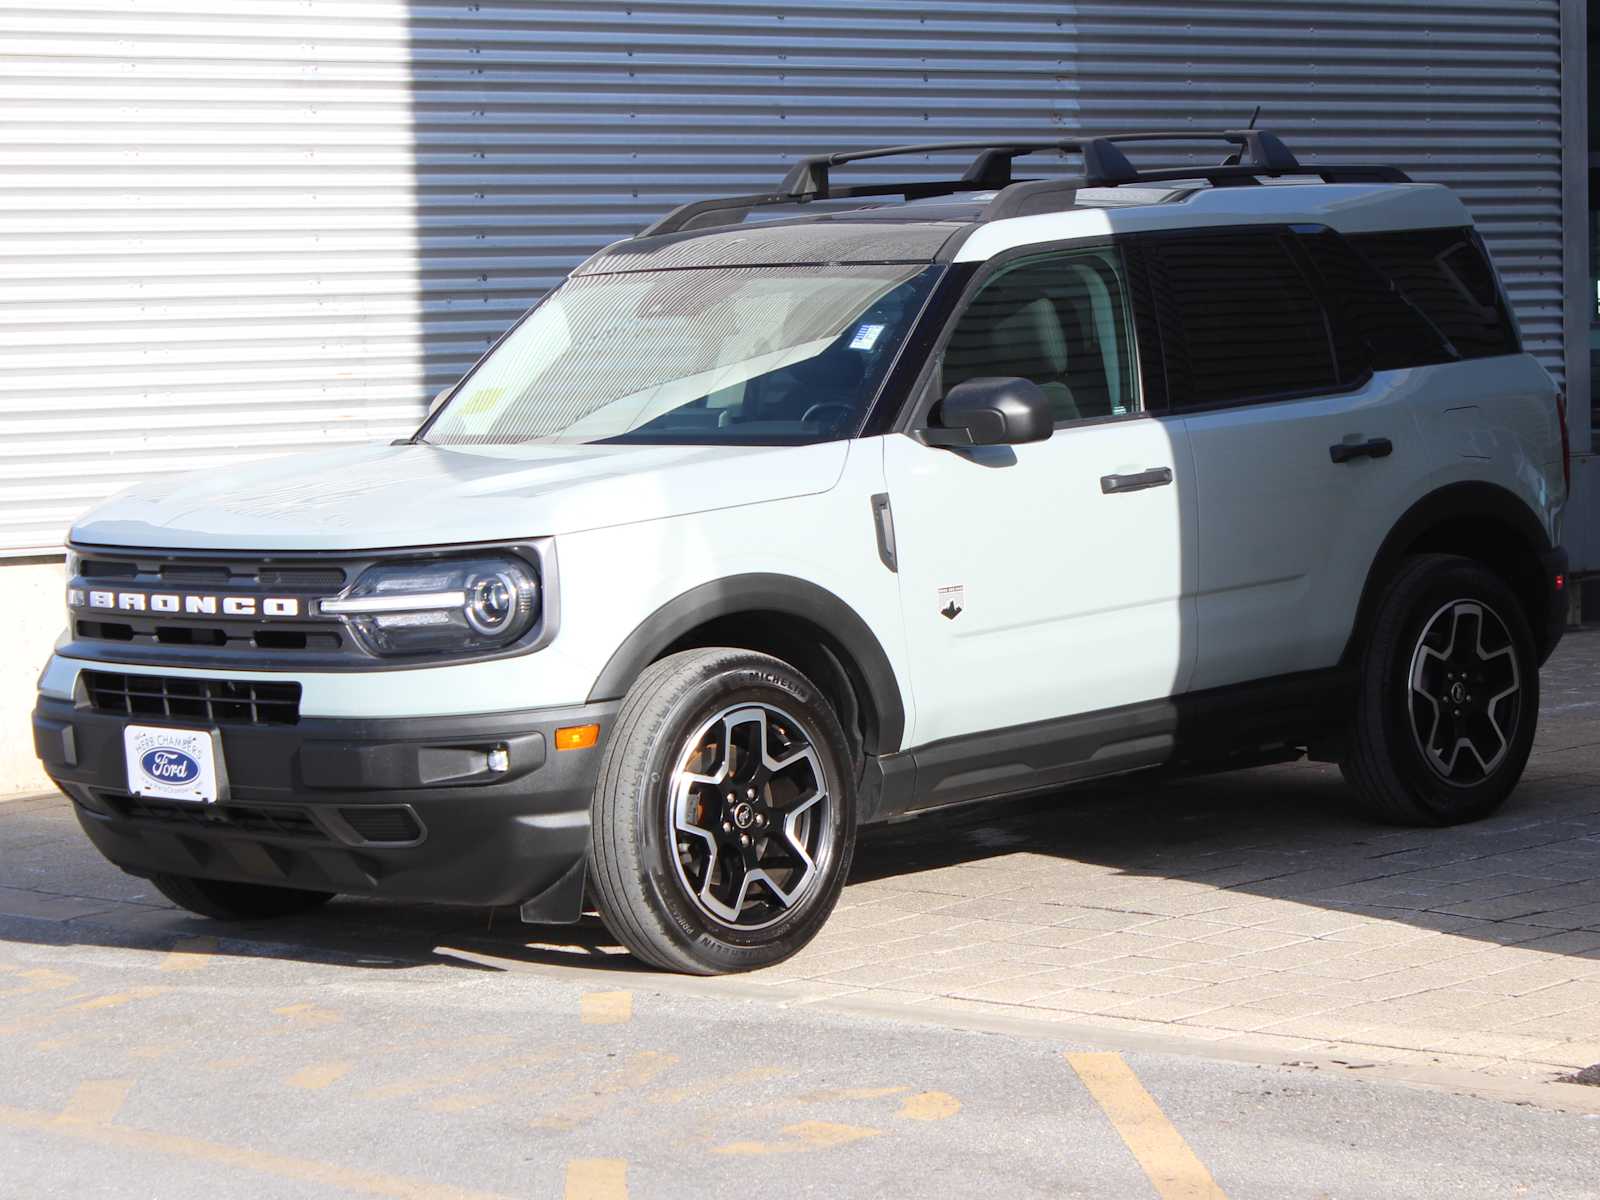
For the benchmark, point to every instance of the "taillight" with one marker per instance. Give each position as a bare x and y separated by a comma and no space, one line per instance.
1566,444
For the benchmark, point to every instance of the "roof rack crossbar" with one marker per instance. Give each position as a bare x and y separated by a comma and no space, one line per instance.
1107,166
1232,173
1259,153
703,213
808,178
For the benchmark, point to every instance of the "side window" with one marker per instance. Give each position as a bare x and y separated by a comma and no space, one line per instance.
1240,320
1061,321
1446,275
1387,329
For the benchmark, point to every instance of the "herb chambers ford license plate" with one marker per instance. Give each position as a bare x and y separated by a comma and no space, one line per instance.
173,764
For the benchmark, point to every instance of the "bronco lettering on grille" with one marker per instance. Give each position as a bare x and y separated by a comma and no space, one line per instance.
192,604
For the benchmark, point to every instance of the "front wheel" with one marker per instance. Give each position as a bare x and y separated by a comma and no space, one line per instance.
1449,696
724,815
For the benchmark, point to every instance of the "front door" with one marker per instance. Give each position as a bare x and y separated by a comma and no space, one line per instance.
1052,579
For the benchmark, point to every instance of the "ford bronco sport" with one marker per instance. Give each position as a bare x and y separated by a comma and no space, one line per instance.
786,516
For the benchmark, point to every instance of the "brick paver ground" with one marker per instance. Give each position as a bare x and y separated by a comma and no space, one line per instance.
1248,909
1252,908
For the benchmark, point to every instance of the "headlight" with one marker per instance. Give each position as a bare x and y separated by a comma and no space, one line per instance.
442,606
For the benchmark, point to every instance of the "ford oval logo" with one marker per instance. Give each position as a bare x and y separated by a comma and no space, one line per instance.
166,765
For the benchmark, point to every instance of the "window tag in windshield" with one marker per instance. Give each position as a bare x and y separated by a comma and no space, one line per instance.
866,337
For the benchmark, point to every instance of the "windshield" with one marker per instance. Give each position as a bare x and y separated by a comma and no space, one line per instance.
758,355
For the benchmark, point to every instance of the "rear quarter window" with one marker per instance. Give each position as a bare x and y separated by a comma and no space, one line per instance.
1445,274
1374,320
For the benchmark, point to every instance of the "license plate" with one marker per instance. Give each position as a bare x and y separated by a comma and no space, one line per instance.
172,764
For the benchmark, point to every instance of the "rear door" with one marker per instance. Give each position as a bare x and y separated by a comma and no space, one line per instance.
1301,453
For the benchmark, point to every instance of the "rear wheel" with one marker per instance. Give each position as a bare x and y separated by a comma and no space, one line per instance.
1449,696
723,819
225,901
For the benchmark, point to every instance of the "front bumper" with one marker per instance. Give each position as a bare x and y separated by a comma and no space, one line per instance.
402,809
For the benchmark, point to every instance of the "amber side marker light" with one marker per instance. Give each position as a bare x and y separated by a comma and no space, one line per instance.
577,737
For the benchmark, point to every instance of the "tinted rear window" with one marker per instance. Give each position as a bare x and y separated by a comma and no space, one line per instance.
1239,318
1446,276
1375,324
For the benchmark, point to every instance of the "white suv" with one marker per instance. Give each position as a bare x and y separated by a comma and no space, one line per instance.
756,530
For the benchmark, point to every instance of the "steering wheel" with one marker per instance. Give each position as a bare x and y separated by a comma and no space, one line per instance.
813,415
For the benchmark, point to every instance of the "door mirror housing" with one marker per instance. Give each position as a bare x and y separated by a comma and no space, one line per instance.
992,411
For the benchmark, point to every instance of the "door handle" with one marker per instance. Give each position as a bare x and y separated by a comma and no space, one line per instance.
1115,485
1371,448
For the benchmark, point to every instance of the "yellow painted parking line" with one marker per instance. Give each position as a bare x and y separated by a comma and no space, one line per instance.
81,1004
117,999
189,954
300,1170
929,1106
700,1089
319,1075
856,1093
807,1135
40,979
640,1071
307,1013
1165,1157
597,1179
416,1085
606,1008
97,1101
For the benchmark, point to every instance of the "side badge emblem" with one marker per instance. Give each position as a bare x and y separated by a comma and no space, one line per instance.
952,600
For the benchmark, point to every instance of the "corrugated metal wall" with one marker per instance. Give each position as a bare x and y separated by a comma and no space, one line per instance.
208,245
229,230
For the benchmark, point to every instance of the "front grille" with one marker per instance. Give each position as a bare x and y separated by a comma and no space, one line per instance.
280,821
216,701
383,823
145,634
148,632
311,579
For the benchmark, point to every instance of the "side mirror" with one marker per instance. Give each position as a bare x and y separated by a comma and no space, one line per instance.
992,411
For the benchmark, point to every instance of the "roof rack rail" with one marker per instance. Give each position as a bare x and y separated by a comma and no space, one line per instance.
1259,153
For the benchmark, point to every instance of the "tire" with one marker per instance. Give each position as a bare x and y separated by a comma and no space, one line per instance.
224,901
702,859
1447,632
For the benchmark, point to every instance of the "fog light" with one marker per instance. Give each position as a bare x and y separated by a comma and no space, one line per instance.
500,760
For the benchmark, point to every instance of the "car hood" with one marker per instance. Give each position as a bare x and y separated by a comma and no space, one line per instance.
374,497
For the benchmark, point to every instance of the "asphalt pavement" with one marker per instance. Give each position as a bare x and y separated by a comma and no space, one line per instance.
247,1068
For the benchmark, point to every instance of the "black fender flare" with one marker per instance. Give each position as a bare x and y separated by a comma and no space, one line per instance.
1474,500
782,594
